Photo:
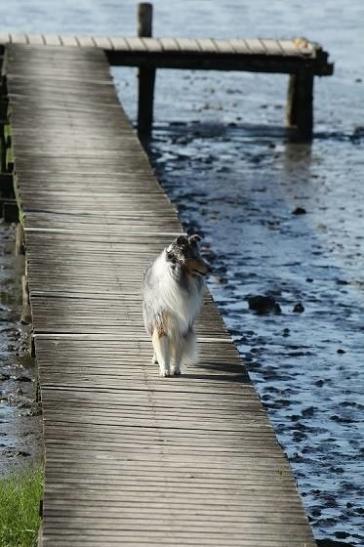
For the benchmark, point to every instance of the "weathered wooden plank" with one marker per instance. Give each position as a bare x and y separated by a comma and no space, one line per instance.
35,39
240,46
4,38
69,41
52,40
169,44
188,44
256,46
272,47
102,42
119,43
207,45
135,44
18,38
85,41
224,46
289,48
152,44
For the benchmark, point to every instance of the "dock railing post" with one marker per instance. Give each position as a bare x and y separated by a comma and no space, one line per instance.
299,114
146,75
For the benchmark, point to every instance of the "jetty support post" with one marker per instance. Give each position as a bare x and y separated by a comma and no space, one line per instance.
299,113
146,75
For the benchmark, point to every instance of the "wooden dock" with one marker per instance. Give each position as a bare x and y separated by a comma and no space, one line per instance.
301,59
130,459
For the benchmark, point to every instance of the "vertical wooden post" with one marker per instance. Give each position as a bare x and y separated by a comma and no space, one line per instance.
3,116
299,112
146,75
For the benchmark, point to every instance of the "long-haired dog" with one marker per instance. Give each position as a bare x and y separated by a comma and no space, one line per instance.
173,293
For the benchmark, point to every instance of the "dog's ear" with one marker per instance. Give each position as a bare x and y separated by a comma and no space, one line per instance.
181,240
194,239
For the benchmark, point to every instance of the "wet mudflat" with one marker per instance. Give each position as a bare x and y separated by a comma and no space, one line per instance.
222,155
20,427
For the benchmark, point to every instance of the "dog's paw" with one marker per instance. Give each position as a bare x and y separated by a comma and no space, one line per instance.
164,373
176,372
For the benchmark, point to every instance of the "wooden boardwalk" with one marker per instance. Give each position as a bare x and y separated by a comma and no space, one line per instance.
130,459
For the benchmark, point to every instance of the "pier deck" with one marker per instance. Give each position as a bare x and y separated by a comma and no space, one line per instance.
262,55
130,459
301,59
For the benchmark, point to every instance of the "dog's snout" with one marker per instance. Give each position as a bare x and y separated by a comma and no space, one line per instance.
198,265
205,267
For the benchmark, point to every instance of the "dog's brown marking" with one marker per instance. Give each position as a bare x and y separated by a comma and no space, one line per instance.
162,325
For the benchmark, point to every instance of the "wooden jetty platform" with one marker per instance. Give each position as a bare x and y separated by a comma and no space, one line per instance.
130,459
301,59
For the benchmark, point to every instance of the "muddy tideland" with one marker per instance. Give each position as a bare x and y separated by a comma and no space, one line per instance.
20,426
278,219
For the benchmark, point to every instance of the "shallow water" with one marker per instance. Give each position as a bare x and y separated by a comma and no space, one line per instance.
228,167
20,427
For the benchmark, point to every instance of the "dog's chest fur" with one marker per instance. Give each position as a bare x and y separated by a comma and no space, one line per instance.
175,298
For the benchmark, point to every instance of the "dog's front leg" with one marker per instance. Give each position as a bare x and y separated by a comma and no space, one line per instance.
177,358
161,348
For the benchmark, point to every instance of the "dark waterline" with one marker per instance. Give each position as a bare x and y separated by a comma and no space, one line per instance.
227,167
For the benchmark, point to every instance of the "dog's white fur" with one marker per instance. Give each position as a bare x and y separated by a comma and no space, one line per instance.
170,310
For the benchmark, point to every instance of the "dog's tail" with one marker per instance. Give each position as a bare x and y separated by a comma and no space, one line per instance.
190,349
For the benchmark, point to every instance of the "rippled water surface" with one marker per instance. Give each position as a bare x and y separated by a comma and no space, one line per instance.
221,152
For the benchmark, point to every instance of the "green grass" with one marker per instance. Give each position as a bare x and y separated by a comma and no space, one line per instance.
19,508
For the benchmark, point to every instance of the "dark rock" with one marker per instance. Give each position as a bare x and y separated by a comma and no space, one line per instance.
23,378
308,412
298,308
342,282
331,543
309,279
340,351
264,304
23,453
4,376
299,211
341,534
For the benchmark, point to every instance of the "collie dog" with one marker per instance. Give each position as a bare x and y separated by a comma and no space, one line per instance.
173,292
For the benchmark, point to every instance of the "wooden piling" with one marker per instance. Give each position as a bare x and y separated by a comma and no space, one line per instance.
146,75
300,104
26,316
10,210
6,185
19,240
